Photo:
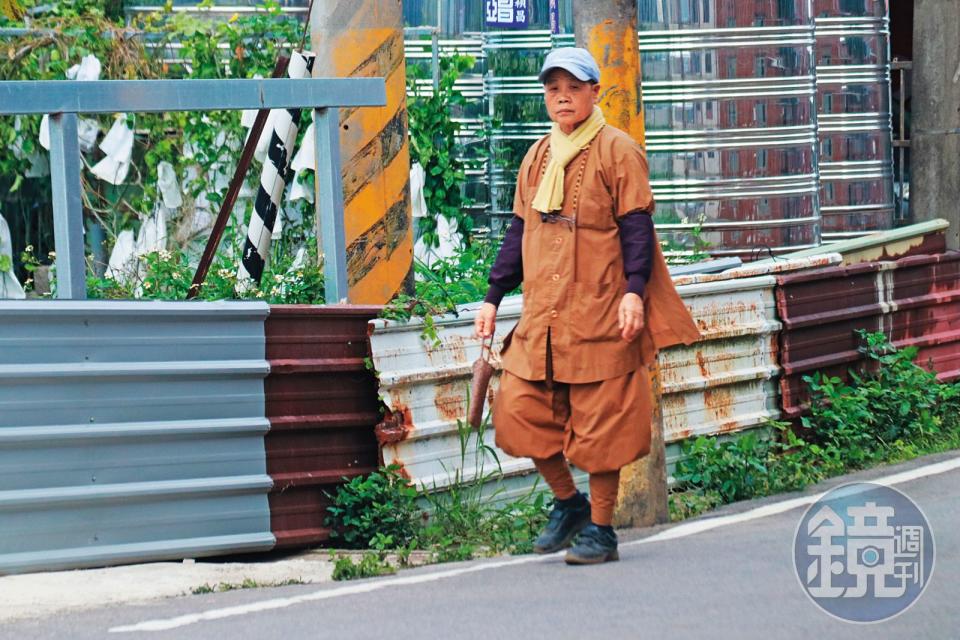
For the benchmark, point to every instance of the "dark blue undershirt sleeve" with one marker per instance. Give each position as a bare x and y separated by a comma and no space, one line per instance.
507,271
636,236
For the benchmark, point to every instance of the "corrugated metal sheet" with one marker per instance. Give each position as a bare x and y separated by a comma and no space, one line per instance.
130,431
425,388
322,403
923,238
725,383
915,301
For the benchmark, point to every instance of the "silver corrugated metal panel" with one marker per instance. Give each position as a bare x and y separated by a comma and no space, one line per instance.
722,384
130,431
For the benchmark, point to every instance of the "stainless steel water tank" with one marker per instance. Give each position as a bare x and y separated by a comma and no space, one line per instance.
853,100
515,99
728,92
471,138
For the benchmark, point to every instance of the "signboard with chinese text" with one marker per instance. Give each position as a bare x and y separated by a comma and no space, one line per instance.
507,14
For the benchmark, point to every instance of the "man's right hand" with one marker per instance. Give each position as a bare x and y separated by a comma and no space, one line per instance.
486,321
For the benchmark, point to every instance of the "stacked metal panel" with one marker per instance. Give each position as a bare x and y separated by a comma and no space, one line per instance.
321,399
914,301
728,91
853,100
725,383
130,431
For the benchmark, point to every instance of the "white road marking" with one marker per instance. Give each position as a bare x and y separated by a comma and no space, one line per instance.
679,531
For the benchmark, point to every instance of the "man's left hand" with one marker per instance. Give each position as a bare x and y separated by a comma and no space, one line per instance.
630,316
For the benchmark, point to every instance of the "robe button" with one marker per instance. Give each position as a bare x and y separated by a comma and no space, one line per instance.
553,313
556,277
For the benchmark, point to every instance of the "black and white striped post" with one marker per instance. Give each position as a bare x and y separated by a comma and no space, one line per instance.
273,181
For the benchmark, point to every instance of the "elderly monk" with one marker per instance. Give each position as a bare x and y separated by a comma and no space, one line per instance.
597,304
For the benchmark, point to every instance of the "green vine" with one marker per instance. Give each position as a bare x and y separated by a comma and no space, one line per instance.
433,143
201,147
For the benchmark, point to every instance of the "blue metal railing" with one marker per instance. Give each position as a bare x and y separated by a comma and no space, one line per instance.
64,99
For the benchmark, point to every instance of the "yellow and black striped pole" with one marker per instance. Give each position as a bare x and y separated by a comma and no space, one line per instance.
364,38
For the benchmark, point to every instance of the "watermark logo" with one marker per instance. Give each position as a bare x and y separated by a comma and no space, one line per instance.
864,552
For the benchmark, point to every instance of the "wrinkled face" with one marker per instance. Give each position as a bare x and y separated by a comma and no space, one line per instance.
569,101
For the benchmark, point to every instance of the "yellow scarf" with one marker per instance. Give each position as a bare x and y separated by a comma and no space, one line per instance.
563,149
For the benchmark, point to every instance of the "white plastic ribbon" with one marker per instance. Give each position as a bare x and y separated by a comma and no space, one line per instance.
168,186
118,145
122,264
88,69
9,285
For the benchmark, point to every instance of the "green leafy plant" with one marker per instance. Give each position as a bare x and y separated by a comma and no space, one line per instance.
377,510
370,565
463,518
736,469
200,146
891,409
443,285
434,144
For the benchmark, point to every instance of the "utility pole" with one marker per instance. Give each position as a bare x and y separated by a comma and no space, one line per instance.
935,131
364,38
608,29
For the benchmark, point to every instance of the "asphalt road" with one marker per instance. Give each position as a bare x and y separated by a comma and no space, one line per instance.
735,580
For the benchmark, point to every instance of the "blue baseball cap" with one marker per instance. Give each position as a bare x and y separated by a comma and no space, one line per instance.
576,60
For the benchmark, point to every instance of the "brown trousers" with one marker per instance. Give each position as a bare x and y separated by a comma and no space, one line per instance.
599,426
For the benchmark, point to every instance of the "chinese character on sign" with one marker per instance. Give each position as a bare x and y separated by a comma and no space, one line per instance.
864,552
509,14
555,16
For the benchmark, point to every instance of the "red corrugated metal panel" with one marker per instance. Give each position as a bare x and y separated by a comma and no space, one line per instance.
915,301
322,403
926,310
820,311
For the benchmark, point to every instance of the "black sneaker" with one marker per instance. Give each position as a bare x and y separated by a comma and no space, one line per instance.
565,522
595,545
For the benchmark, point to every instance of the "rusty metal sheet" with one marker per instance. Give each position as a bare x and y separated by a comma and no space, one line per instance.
425,388
925,311
725,383
781,265
321,400
922,238
914,301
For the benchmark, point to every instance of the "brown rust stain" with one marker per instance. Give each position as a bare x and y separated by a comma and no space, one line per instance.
395,426
719,403
458,350
450,401
702,363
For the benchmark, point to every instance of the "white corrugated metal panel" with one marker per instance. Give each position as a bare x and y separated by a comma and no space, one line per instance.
130,431
724,383
426,388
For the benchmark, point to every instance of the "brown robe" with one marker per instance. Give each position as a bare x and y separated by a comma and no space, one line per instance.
573,277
